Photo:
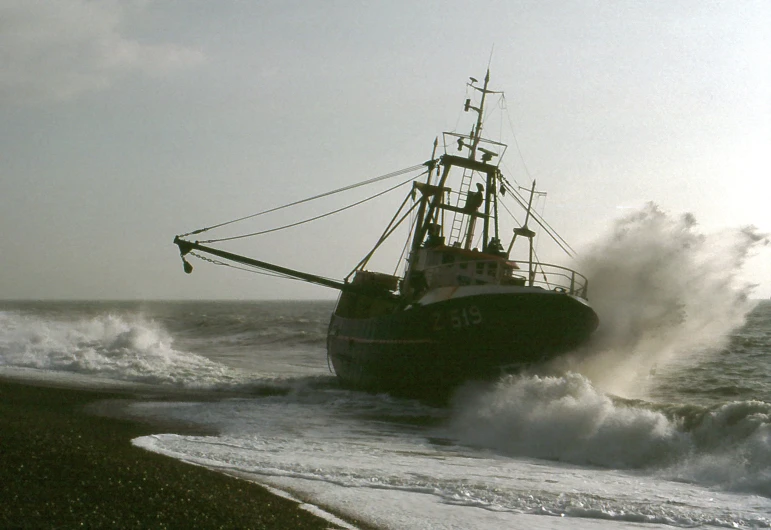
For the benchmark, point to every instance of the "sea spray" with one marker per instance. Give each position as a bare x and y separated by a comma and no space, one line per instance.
662,289
121,347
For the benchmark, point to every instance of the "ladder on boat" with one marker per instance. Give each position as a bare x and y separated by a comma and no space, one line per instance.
456,229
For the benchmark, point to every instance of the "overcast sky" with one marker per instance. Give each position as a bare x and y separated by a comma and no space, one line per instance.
125,123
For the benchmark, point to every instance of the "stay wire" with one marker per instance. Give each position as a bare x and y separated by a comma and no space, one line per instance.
295,203
514,136
564,245
253,270
298,223
225,264
390,230
406,244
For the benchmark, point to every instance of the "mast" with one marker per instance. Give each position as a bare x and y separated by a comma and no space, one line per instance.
431,194
432,162
431,198
524,231
427,191
476,134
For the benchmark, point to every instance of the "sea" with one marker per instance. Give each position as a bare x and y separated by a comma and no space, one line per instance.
547,449
663,420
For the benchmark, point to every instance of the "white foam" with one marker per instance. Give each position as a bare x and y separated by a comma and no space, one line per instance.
334,457
565,418
732,449
128,348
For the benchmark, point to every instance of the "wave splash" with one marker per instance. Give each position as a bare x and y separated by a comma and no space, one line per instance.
127,348
566,418
663,290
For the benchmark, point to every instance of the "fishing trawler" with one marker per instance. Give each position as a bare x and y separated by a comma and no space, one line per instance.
463,309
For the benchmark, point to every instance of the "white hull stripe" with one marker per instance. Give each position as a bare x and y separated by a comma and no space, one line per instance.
443,294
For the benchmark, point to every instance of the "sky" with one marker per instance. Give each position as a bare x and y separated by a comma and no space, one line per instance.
123,123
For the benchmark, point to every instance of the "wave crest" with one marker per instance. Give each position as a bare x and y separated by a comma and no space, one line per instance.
566,418
123,347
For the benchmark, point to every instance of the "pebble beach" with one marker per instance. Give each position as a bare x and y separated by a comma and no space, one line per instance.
66,463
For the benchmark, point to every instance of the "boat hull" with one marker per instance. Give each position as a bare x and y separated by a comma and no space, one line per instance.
428,350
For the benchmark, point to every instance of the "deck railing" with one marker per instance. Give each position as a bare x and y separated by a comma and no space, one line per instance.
498,272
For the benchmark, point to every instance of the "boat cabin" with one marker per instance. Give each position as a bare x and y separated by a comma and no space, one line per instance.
447,266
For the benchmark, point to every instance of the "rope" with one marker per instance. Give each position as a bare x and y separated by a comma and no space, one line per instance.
514,135
316,217
509,212
225,264
406,245
558,239
295,203
390,230
254,270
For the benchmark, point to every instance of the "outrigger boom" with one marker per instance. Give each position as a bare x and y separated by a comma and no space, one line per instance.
185,247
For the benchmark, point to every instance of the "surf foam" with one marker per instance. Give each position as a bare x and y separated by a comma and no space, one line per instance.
128,348
565,418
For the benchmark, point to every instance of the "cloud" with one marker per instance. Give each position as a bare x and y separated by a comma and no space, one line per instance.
55,51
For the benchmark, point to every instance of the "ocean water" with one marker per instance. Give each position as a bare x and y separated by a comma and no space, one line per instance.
663,420
536,450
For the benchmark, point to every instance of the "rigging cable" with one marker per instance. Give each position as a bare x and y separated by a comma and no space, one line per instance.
509,212
316,217
514,135
412,224
389,230
254,269
564,245
561,241
295,203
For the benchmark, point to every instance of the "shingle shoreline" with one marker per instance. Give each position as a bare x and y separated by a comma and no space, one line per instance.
62,466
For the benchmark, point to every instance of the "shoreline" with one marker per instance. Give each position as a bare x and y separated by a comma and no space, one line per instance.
67,460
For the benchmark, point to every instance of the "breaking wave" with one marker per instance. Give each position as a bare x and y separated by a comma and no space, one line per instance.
127,348
566,418
667,294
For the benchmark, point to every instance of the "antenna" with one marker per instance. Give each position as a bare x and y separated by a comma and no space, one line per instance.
477,132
